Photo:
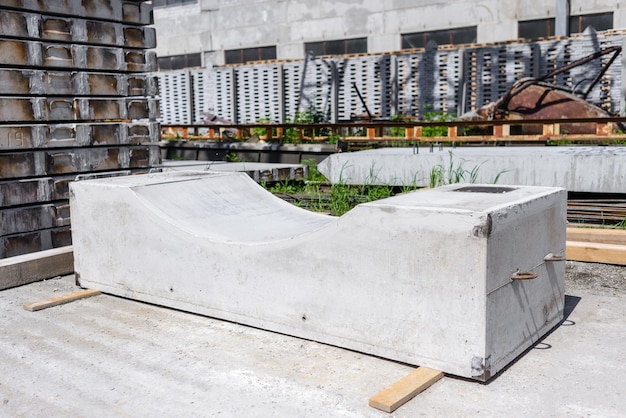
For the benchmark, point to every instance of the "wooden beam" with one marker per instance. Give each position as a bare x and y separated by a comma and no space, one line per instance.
405,389
592,252
597,235
70,297
33,267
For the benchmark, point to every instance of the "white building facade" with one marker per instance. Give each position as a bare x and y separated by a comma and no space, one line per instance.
206,33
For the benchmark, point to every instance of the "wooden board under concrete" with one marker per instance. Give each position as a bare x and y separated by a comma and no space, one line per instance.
28,268
597,235
592,252
405,389
70,297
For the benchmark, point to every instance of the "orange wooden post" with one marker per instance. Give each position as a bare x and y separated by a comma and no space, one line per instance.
371,133
452,132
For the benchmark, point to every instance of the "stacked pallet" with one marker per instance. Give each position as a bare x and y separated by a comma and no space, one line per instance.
76,97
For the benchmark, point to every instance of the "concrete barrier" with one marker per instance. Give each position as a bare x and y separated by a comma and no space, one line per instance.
433,278
580,169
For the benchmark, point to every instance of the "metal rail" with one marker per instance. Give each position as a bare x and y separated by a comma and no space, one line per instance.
606,130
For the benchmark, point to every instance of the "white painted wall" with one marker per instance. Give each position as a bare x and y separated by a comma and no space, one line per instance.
217,25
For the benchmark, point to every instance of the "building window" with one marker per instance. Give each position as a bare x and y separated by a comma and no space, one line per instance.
599,21
456,36
240,56
533,29
339,47
542,28
178,62
164,3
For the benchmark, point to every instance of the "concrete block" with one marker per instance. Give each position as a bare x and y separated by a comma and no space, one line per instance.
567,167
125,11
29,268
26,219
17,165
428,278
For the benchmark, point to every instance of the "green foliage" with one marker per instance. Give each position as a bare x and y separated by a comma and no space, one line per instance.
396,130
314,174
231,157
455,172
292,135
261,132
430,131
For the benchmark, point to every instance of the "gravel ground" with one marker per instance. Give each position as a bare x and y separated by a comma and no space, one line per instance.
606,278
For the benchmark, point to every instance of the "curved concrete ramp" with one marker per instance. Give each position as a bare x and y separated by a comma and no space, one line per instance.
423,278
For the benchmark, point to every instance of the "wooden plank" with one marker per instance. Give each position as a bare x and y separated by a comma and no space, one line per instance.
596,252
70,297
28,268
597,235
405,389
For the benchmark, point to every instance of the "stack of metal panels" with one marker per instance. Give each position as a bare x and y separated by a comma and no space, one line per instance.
76,97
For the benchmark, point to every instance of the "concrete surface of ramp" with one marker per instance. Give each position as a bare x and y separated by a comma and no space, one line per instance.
424,278
596,169
258,171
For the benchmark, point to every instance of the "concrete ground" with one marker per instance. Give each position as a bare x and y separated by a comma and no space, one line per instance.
108,356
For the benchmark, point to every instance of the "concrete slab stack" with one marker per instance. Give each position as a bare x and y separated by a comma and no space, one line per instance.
76,97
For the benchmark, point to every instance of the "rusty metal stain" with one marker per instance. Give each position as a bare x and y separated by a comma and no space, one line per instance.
138,134
16,109
60,109
21,244
13,24
102,59
61,135
15,81
61,162
104,109
137,86
135,61
15,52
101,33
56,29
61,188
99,8
131,12
105,134
19,192
58,56
61,237
59,83
138,109
139,157
133,37
103,84
104,158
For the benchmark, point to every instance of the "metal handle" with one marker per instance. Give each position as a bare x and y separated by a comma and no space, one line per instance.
523,275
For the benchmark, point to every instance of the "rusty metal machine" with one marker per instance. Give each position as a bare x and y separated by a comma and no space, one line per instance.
539,99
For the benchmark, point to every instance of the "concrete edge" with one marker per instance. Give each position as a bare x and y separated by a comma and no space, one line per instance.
33,267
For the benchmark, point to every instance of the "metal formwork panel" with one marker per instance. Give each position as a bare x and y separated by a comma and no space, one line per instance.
408,84
447,76
314,93
258,93
371,75
204,93
75,30
292,79
52,162
21,137
176,86
127,11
